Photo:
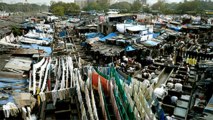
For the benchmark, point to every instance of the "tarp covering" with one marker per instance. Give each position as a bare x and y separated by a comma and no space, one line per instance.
151,42
155,35
62,34
129,48
108,36
93,35
16,84
47,49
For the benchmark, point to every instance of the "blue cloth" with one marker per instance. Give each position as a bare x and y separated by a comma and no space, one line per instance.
108,37
161,114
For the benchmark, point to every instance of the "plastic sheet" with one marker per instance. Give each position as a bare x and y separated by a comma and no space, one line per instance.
108,36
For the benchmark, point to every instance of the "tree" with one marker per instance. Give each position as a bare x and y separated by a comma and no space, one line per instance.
158,6
92,6
71,8
61,8
20,7
16,31
58,10
104,4
137,5
122,6
99,5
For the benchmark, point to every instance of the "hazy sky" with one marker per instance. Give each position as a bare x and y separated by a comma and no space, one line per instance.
48,1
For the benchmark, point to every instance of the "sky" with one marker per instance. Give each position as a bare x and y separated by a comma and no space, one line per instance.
48,1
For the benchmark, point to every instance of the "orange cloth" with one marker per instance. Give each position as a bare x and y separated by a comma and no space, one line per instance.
104,82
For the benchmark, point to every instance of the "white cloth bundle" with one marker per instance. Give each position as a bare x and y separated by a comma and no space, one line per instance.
178,87
170,85
10,109
160,92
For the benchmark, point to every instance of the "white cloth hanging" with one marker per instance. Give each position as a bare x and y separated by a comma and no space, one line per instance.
35,67
41,72
46,74
54,96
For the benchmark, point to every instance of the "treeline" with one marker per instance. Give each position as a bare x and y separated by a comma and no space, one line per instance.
20,7
122,6
193,7
61,8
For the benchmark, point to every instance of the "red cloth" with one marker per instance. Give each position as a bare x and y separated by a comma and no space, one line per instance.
104,82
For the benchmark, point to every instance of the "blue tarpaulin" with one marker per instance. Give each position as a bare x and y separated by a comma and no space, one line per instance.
129,48
108,36
47,49
62,33
16,84
151,43
93,35
155,35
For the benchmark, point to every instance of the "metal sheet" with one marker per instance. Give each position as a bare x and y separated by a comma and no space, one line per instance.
19,64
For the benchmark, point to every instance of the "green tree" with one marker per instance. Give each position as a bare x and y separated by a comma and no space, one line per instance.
99,5
58,10
158,6
92,6
61,8
123,6
16,31
104,4
137,5
20,7
71,8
